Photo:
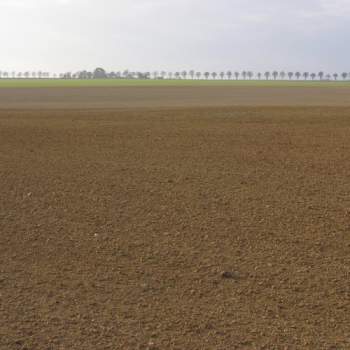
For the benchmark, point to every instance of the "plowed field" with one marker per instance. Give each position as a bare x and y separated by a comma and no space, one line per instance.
203,228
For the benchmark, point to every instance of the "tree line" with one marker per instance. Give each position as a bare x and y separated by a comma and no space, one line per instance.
100,73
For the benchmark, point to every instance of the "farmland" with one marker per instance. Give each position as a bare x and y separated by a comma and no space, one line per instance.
174,218
49,83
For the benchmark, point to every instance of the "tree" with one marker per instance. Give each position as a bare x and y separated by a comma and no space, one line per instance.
335,75
267,75
236,75
320,75
290,75
214,75
298,75
198,75
259,75
163,74
275,74
244,75
344,75
313,76
177,75
99,73
184,74
207,74
282,75
222,75
192,73
250,75
229,75
40,74
82,74
305,75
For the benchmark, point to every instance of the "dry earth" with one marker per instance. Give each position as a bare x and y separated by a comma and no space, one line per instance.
215,228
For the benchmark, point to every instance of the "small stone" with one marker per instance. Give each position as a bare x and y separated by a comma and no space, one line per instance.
152,346
230,275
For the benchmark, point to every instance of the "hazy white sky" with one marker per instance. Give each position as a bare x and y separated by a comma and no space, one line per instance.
62,35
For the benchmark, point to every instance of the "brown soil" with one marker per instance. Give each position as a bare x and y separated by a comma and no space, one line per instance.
221,228
121,97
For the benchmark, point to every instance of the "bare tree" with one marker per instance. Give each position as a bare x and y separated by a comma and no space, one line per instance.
275,74
298,75
184,74
207,74
259,75
282,75
250,75
192,73
214,75
229,75
290,75
267,75
344,75
236,75
198,75
306,75
335,76
320,75
244,75
222,75
313,76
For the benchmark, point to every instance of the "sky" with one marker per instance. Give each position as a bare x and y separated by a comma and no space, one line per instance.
173,35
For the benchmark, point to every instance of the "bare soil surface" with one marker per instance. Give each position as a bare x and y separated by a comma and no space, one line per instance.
215,228
121,97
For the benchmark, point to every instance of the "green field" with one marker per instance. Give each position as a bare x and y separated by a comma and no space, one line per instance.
46,83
